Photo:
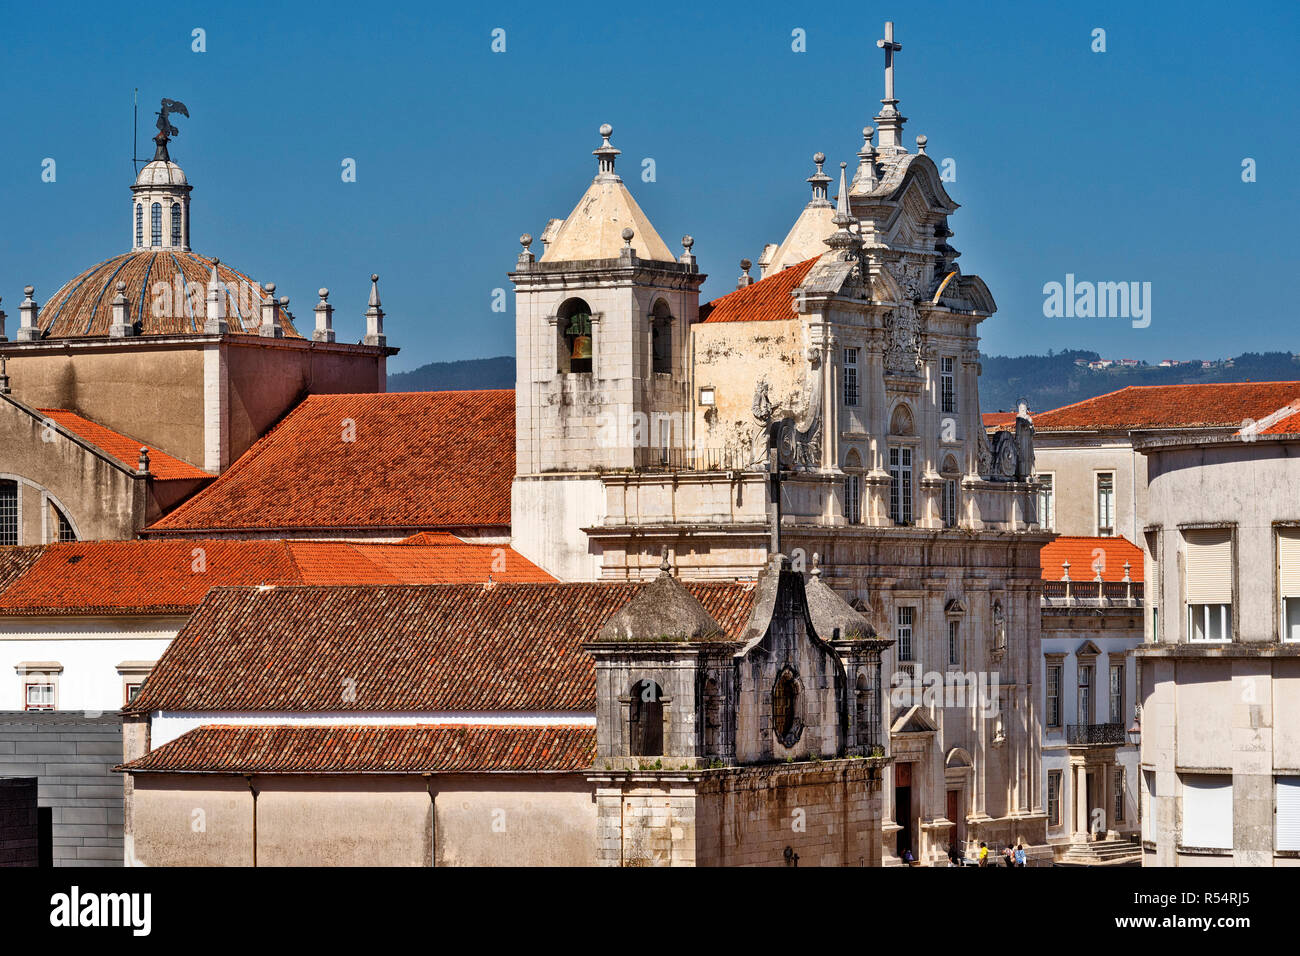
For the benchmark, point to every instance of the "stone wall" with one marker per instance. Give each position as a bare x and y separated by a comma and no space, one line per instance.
71,756
828,813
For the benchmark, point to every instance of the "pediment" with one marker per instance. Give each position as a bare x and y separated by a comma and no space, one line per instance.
914,720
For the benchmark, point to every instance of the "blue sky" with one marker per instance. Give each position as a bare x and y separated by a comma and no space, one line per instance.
1115,166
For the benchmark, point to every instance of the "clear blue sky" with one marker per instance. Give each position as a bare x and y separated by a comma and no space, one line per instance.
1115,166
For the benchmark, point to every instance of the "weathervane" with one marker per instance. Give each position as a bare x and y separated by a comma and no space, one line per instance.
165,129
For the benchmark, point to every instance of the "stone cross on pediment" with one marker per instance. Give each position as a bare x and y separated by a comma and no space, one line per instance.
890,48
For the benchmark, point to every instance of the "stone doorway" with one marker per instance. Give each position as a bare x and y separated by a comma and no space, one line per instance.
903,809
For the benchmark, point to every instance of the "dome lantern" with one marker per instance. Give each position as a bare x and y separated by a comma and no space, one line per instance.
160,205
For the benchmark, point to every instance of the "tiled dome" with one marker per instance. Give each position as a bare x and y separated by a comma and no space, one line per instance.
161,172
83,307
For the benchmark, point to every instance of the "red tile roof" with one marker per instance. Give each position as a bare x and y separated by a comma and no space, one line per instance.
996,420
172,576
403,461
126,450
769,298
454,647
473,748
1218,405
1085,554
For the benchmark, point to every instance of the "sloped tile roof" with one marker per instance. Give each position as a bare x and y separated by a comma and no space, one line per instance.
400,461
473,748
1082,553
126,450
455,647
769,298
998,420
172,576
1216,405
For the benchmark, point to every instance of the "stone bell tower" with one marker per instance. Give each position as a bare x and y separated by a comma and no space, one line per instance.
602,337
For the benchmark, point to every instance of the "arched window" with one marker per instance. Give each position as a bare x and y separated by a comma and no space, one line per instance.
573,322
646,719
949,505
786,724
139,224
901,421
176,224
8,512
867,695
155,224
853,488
62,528
712,708
661,338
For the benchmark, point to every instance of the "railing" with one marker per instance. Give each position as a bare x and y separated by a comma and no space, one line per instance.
1095,734
1092,593
699,459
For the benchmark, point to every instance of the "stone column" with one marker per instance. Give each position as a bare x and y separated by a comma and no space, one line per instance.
1081,802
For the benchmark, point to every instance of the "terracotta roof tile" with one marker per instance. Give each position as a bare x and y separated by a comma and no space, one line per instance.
767,299
401,461
998,420
472,748
1217,405
126,450
1083,553
453,647
173,576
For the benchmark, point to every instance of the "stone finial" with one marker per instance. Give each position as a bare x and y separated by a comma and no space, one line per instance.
843,240
1065,570
28,331
214,322
866,177
920,143
819,181
3,337
816,571
526,256
745,278
324,318
688,257
143,463
375,316
270,327
626,253
606,154
121,326
664,565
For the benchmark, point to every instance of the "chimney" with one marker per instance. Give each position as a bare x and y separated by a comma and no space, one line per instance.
121,327
324,319
143,464
215,323
745,278
270,327
27,311
375,316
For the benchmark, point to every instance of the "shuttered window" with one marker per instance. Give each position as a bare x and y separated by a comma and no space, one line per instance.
1288,581
1288,813
1207,811
1209,566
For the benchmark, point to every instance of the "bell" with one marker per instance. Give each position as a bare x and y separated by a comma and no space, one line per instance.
581,347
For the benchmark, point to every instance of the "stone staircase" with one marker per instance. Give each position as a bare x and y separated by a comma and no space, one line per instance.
1113,851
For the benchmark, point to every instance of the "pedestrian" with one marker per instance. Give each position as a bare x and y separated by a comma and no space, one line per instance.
984,853
1006,856
1020,854
954,858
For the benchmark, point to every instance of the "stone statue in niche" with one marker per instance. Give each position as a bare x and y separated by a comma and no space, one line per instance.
903,340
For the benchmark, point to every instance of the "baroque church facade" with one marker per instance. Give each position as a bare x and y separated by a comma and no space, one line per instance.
827,411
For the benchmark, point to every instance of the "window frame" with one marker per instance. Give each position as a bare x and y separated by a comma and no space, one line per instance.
1053,699
155,226
1085,693
852,394
901,493
14,536
1054,798
1118,793
1116,694
1047,501
947,385
905,633
1104,530
29,683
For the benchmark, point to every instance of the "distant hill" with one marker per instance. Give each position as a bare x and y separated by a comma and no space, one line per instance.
1050,381
459,376
1045,381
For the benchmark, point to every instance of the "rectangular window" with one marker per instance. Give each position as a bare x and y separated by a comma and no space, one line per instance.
900,485
1207,811
1288,814
1084,714
661,346
851,377
903,633
853,499
1054,798
155,224
1208,584
1119,794
1151,585
132,688
954,642
1053,695
1117,693
950,502
176,224
8,512
1046,502
1288,581
39,696
947,386
1105,504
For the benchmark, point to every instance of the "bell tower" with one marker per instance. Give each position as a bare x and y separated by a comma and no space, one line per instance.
602,346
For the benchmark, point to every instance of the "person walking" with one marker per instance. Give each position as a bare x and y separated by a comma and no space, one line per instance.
1020,854
984,853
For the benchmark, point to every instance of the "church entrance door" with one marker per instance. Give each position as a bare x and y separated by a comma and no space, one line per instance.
903,807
